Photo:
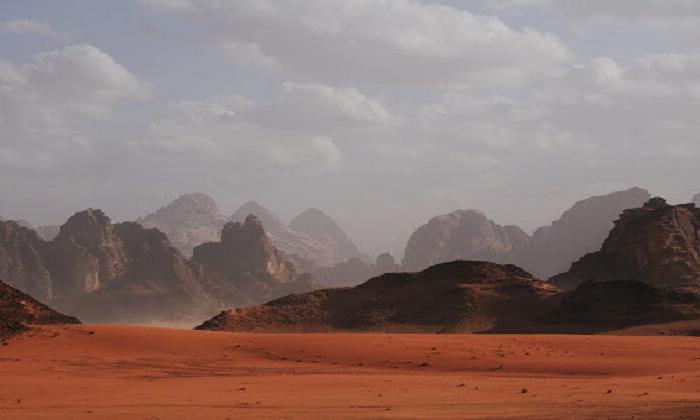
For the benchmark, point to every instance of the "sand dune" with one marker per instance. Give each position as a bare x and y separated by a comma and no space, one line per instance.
91,371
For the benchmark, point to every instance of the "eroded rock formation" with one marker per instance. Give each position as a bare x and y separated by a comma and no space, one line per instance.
657,244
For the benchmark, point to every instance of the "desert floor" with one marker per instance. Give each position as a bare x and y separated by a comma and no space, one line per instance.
98,371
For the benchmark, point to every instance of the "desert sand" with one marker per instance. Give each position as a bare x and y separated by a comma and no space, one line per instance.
99,371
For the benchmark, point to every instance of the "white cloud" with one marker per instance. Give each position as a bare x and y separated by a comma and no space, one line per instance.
606,9
319,108
45,102
389,41
25,26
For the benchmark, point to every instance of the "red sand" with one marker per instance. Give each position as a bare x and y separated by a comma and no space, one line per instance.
119,371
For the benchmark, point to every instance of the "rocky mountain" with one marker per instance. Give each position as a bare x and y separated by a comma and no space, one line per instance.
696,199
320,253
245,267
105,272
18,309
550,250
318,226
456,296
657,244
190,220
355,271
123,273
23,260
463,234
580,230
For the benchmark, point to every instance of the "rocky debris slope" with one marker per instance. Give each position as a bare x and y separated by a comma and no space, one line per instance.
18,309
189,221
456,296
245,267
658,244
620,303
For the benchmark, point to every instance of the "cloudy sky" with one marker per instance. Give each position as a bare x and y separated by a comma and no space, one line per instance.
383,113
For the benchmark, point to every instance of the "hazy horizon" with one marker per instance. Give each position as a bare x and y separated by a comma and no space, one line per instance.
381,113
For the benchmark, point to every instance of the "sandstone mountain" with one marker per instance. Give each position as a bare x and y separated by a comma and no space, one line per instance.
245,267
123,272
190,220
23,260
18,309
317,225
463,234
580,230
319,240
549,251
456,296
658,244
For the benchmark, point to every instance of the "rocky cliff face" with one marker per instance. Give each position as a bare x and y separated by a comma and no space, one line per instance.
657,244
463,234
456,296
318,226
580,230
18,309
86,255
104,272
286,239
189,221
549,251
245,267
23,260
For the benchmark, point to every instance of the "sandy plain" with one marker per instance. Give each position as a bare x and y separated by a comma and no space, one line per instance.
102,371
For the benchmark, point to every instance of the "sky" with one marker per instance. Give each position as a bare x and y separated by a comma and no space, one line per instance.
382,113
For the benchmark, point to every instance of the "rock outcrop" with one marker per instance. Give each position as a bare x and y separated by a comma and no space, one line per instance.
141,278
284,238
189,221
245,267
103,272
463,234
580,230
456,296
23,260
320,227
549,251
657,244
18,309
